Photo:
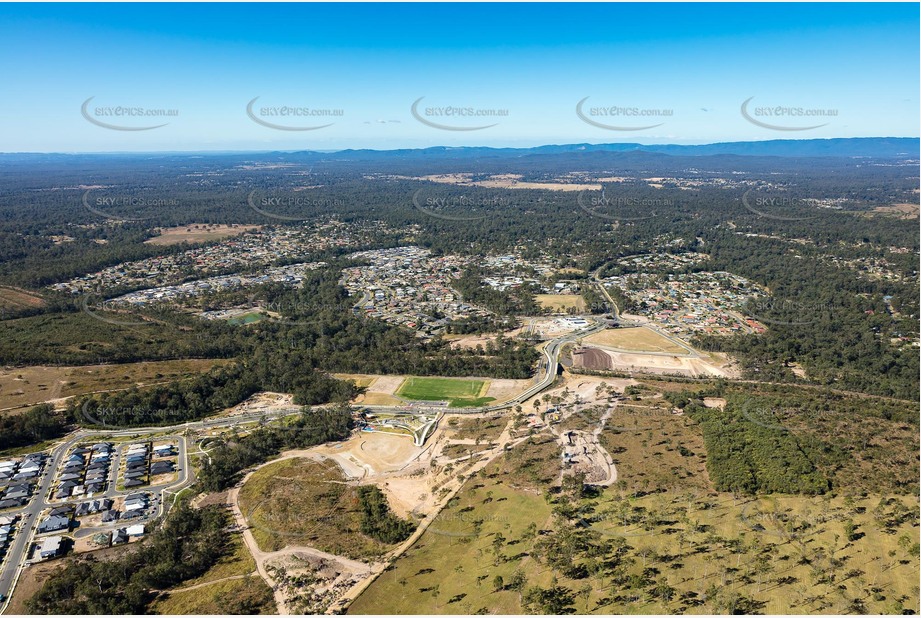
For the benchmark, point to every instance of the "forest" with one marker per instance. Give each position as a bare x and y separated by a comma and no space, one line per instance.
189,542
830,319
38,424
313,426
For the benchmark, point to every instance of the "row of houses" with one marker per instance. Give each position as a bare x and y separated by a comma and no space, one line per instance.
28,468
85,472
18,478
141,465
7,530
119,536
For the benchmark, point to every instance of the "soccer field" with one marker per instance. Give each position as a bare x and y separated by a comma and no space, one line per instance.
442,389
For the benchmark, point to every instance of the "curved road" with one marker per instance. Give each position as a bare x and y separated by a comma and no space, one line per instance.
15,558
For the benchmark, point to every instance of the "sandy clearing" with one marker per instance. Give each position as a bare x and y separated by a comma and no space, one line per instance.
379,399
388,384
651,363
197,232
376,452
634,340
504,389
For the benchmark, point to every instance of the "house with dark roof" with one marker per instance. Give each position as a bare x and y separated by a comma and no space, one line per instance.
54,523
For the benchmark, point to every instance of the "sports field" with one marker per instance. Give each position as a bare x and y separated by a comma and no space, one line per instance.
457,391
247,318
635,339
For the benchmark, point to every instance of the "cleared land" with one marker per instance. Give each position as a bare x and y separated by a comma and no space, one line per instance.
904,211
635,340
475,427
684,550
647,362
561,302
457,391
24,386
302,502
197,232
371,453
506,181
13,300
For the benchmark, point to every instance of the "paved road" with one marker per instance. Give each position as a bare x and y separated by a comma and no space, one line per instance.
15,559
16,556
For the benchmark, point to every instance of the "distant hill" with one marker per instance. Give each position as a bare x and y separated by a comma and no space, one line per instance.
873,147
851,147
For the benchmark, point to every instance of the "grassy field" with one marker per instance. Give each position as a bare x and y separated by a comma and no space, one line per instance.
23,386
197,232
635,340
247,318
653,449
458,391
447,562
561,302
297,502
238,562
81,338
13,300
247,595
683,550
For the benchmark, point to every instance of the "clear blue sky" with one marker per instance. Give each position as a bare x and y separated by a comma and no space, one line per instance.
537,61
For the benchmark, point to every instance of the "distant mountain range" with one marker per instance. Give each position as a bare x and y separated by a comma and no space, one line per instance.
851,147
874,147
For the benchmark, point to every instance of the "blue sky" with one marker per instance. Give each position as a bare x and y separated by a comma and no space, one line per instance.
693,65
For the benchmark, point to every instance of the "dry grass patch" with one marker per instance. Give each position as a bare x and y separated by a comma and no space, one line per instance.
198,232
561,302
635,339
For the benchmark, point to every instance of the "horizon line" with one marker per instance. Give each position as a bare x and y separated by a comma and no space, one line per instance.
422,148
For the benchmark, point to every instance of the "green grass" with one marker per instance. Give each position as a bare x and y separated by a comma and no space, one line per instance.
249,595
246,318
470,403
453,553
772,555
459,392
237,562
